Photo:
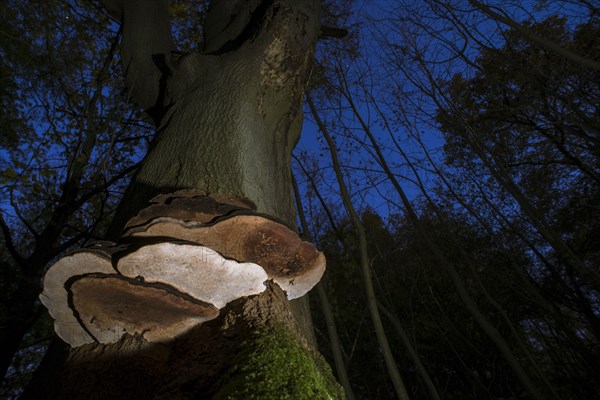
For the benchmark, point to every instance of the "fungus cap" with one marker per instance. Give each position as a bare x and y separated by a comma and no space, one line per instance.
195,270
56,298
295,265
109,306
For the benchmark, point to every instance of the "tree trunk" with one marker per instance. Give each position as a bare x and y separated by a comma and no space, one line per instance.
253,348
227,119
16,320
388,357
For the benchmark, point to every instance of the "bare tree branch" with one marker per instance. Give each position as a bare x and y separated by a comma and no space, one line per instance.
529,34
9,241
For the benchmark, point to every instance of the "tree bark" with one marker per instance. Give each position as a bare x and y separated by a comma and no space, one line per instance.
227,121
228,118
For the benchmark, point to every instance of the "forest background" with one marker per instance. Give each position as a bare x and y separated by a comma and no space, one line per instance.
462,139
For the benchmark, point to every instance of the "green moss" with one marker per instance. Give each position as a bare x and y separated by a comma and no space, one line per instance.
274,365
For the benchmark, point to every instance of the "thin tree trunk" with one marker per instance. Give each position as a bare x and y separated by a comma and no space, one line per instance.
438,255
565,253
433,393
469,262
532,36
334,339
388,357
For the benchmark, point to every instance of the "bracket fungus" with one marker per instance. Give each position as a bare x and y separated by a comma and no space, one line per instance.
236,231
56,297
198,271
190,205
110,305
179,262
296,266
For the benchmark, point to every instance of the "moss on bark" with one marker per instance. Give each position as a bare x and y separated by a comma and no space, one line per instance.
275,365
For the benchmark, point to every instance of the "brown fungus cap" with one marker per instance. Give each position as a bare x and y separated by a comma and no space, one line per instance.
296,266
159,291
109,306
190,205
55,296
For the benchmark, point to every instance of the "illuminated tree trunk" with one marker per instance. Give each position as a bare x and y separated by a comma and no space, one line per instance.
227,120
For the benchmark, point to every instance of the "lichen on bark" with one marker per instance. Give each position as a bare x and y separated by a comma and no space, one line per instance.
274,364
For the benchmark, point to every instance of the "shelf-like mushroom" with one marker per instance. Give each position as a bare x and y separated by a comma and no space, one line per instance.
196,270
190,205
181,260
296,266
108,306
159,291
55,295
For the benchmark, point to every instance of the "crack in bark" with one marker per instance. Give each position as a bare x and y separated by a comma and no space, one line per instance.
254,25
160,108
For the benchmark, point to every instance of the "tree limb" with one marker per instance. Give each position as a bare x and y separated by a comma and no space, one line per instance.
29,227
330,32
145,50
94,191
529,34
9,242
